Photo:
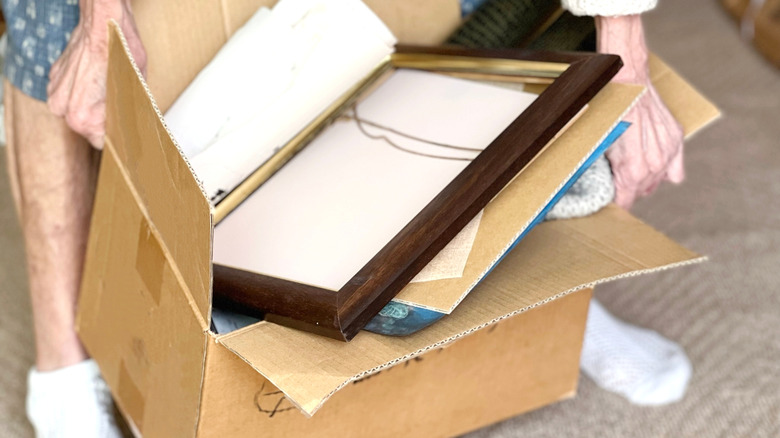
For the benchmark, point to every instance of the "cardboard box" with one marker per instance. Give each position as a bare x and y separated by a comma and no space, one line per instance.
512,367
145,304
760,23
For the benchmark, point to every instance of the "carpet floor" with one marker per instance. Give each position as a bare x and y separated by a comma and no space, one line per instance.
726,313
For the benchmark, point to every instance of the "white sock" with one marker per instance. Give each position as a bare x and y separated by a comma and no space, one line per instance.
639,364
70,402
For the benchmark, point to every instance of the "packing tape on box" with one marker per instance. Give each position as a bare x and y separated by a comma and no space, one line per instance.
150,261
132,398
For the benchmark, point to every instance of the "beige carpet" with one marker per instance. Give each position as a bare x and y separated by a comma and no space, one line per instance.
16,341
726,313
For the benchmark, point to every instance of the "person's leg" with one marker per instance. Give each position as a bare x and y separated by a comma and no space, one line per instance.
52,173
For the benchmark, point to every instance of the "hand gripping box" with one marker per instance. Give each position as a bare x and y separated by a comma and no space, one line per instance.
511,346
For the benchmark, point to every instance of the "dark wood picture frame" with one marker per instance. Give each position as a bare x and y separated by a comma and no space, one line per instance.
573,78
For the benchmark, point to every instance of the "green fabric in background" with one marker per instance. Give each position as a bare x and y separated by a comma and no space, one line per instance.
567,33
525,23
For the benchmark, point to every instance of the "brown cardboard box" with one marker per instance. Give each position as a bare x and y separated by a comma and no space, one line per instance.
512,367
145,303
759,22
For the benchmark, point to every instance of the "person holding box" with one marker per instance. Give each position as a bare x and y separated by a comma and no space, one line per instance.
55,115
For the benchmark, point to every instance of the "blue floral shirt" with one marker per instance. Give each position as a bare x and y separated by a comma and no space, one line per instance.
38,31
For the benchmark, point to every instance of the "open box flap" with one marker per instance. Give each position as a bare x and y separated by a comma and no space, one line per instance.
512,211
555,259
132,304
691,109
173,200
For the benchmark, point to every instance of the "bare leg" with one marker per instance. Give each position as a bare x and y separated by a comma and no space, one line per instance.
53,172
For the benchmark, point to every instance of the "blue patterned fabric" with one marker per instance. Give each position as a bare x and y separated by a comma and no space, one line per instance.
38,31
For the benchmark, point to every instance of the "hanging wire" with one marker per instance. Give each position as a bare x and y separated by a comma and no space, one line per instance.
361,126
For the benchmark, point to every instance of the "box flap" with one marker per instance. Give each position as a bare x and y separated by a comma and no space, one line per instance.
134,317
555,259
168,193
512,211
687,105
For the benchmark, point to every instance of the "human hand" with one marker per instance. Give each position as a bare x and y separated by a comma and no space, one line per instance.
77,87
651,150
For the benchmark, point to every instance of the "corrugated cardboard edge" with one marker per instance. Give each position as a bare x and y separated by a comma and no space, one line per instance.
448,340
160,117
157,111
451,339
513,241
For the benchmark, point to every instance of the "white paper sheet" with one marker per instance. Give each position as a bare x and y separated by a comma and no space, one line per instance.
272,78
338,202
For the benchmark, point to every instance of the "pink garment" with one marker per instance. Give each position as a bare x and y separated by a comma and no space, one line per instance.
651,150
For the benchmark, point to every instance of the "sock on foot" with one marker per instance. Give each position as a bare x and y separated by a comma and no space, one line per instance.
637,363
70,402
